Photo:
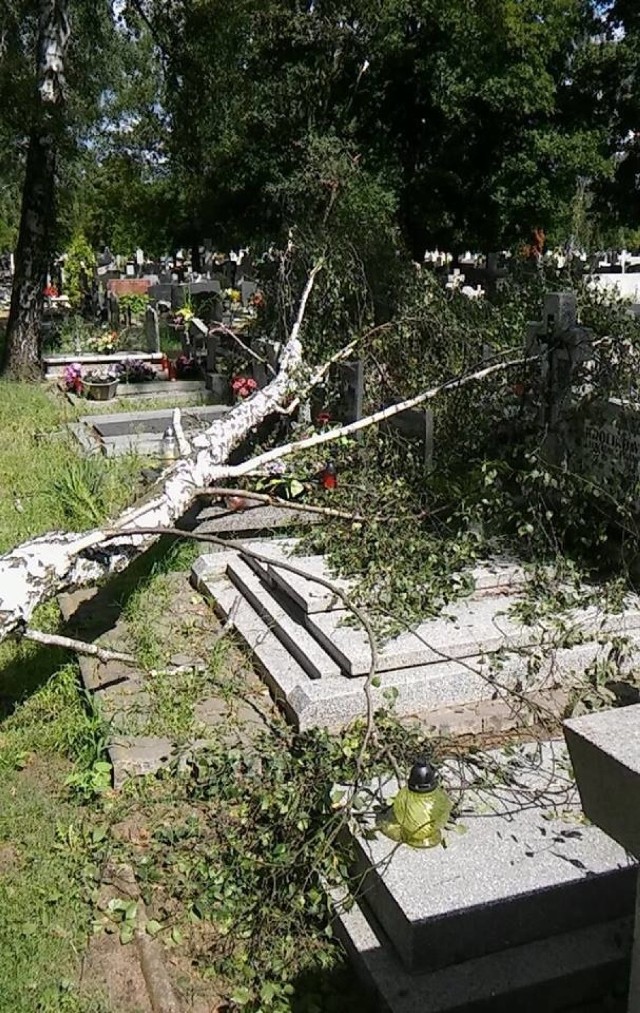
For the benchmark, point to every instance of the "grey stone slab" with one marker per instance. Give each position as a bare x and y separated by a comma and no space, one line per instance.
155,421
308,594
492,577
526,862
468,628
287,628
219,520
539,977
136,755
605,752
450,697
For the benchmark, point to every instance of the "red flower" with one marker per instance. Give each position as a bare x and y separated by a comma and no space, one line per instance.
51,292
243,386
323,418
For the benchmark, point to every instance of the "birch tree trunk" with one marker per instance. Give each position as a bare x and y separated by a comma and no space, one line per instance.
37,220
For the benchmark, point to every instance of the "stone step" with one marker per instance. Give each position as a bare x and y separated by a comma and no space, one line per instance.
499,576
549,975
469,628
451,697
526,866
290,631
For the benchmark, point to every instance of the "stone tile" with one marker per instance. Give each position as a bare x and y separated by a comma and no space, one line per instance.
525,863
468,628
298,641
135,755
544,976
605,752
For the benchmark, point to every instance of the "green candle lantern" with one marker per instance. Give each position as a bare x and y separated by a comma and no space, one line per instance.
420,810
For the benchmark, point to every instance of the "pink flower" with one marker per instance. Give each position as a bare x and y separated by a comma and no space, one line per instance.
243,386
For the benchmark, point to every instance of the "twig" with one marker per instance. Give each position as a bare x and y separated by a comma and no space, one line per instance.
184,446
219,492
103,654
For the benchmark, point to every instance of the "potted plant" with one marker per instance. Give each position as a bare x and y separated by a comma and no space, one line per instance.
187,368
135,371
100,386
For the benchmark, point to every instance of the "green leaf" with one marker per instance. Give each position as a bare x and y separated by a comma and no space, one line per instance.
268,991
241,996
153,927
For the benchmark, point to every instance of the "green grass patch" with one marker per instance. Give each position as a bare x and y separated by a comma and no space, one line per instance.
45,870
45,482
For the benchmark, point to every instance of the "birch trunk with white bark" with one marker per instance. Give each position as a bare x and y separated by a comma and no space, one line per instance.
35,570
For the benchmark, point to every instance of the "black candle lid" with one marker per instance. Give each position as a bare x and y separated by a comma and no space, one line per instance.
423,778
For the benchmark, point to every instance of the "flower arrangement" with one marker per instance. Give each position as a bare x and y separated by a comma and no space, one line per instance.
323,418
243,386
104,344
233,295
257,300
101,376
183,316
135,371
51,292
72,375
187,368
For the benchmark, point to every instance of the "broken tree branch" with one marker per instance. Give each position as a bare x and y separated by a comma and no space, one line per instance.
103,654
219,492
329,435
32,572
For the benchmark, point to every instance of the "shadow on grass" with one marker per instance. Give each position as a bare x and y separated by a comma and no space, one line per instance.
24,667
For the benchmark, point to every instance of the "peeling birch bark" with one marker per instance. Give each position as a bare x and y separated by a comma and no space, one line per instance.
35,570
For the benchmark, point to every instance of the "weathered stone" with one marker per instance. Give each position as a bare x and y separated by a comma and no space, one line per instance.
550,974
527,861
605,752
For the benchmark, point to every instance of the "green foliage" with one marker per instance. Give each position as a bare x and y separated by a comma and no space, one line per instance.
246,891
133,304
78,268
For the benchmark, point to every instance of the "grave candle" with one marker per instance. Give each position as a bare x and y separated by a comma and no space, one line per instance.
420,810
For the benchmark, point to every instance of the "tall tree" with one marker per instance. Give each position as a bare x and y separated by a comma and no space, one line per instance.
37,213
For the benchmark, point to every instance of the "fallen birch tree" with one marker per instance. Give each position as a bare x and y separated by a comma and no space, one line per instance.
34,571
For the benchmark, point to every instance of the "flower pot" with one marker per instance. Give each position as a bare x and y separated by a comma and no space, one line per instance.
100,391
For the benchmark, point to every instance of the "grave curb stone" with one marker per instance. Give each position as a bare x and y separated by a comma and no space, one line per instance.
506,979
507,879
605,752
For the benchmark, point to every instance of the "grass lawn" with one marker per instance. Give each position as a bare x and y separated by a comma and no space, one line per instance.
47,728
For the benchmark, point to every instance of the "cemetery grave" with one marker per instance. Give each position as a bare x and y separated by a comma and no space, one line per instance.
533,907
139,432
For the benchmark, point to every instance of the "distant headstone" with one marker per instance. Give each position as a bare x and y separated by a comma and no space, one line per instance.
152,329
113,311
350,380
247,289
416,425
